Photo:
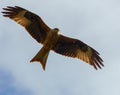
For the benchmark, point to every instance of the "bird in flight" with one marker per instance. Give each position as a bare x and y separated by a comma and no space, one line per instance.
51,39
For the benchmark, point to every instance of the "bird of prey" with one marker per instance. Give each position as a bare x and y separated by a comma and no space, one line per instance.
51,39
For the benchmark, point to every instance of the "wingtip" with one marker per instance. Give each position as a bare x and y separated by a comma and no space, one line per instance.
99,66
4,8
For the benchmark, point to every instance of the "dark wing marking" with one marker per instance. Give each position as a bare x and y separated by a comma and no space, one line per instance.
30,21
77,49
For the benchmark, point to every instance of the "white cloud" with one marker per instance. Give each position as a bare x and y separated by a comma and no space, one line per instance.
94,22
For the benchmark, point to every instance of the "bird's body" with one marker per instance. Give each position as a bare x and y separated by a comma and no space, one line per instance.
51,39
48,44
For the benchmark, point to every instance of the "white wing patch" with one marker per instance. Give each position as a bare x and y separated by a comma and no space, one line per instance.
20,19
85,56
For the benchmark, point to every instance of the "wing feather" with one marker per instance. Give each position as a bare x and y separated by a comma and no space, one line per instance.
30,21
77,49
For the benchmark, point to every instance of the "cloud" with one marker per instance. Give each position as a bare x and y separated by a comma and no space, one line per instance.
94,22
7,85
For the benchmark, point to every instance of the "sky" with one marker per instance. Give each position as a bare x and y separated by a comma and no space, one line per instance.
95,22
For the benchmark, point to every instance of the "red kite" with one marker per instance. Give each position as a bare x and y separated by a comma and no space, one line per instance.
51,39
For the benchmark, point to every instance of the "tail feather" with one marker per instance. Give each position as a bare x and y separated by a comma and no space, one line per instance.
41,57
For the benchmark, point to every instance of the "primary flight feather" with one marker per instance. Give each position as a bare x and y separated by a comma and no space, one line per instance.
51,39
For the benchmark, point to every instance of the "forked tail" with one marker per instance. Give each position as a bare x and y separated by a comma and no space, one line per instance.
42,56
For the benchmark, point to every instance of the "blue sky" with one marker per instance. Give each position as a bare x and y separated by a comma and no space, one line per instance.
96,22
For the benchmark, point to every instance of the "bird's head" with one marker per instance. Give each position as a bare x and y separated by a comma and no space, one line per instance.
56,29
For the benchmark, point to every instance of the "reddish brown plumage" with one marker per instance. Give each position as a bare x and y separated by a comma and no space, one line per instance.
64,45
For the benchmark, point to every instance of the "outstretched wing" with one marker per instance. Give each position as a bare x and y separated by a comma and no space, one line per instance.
30,21
77,49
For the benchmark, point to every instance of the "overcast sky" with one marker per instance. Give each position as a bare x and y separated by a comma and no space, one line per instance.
96,22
